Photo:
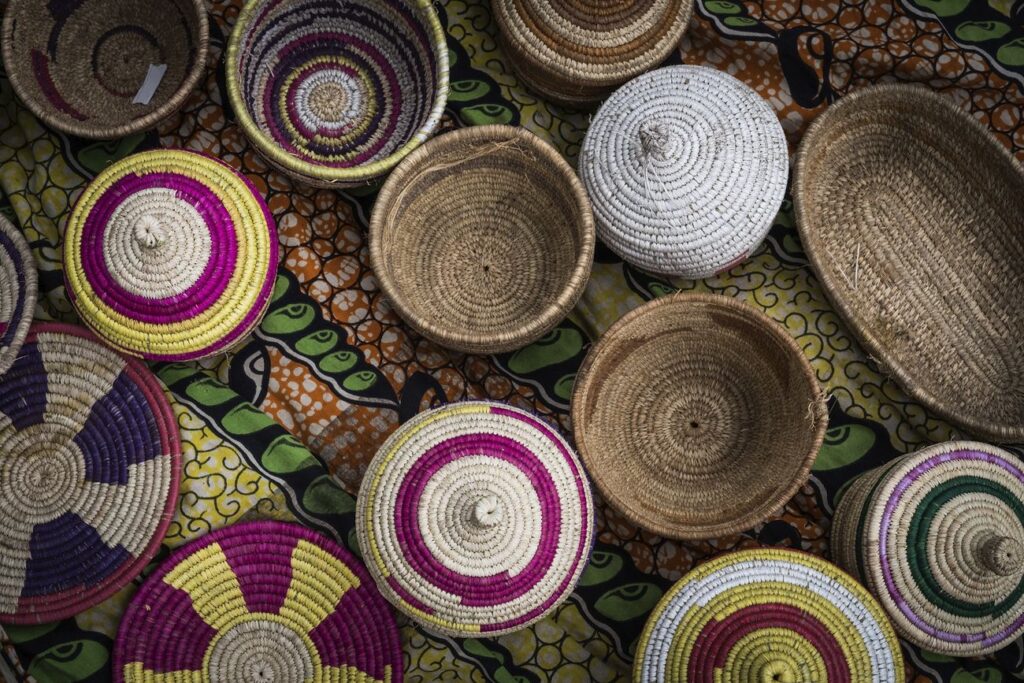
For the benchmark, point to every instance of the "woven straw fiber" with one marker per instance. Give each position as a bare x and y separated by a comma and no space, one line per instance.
768,616
697,416
483,239
574,52
90,460
79,65
475,519
910,213
259,602
18,290
938,537
170,255
337,93
686,167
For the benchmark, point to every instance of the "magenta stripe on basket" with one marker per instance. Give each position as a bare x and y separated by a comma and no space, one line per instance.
322,130
264,587
482,591
891,505
200,296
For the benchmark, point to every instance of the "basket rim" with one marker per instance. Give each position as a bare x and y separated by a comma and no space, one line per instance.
316,173
498,341
589,370
564,69
97,132
943,407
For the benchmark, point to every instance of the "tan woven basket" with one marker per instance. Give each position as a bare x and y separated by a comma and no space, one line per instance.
84,67
697,416
482,239
911,214
575,52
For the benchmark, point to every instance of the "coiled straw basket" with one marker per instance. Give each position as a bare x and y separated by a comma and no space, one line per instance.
482,240
18,289
575,52
697,416
336,93
83,67
938,537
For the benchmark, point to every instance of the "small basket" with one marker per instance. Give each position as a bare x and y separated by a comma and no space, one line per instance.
938,537
18,289
336,93
686,168
483,239
90,461
697,416
259,601
576,53
170,255
104,69
475,519
768,615
910,212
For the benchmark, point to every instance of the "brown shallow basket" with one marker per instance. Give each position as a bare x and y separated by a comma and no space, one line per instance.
697,416
78,66
911,214
575,52
482,239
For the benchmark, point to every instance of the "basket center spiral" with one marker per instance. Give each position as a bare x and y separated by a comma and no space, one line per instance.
260,651
38,473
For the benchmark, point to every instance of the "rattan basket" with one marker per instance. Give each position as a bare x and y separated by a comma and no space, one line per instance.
18,290
911,213
575,53
686,167
768,616
483,239
697,416
85,68
938,537
337,93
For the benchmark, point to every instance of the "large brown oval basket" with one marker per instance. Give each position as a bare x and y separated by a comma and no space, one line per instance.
911,215
697,416
86,68
482,239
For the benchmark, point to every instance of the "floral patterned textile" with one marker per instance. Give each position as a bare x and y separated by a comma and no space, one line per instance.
284,426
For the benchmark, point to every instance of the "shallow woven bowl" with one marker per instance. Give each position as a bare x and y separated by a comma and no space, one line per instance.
910,213
18,289
482,239
938,537
768,615
697,416
574,52
337,93
78,66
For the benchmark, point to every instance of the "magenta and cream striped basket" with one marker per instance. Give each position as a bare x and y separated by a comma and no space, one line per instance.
938,537
170,255
475,518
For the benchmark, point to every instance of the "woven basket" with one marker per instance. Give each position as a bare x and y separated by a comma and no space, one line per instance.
574,52
337,93
938,537
90,461
910,212
17,292
686,168
766,616
83,67
697,416
259,601
170,255
475,519
483,239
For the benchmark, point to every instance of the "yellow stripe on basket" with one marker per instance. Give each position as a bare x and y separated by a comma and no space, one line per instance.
242,291
319,580
722,605
212,585
135,672
777,654
404,436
